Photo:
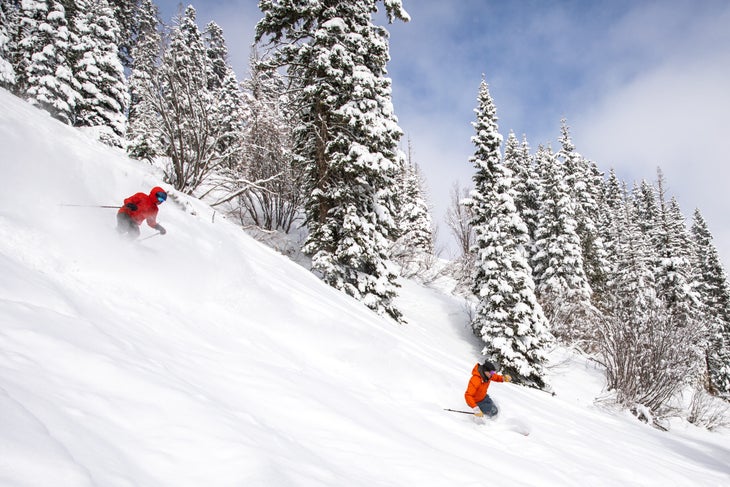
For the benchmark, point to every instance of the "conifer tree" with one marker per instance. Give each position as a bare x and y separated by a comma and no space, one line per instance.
347,137
672,268
613,210
143,123
414,248
638,342
414,218
560,280
8,28
129,17
646,214
585,184
508,318
714,293
46,46
526,185
98,69
227,115
217,53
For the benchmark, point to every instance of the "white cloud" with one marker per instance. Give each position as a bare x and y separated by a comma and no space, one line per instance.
672,115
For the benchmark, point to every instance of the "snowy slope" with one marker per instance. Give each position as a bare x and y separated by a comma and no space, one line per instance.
204,358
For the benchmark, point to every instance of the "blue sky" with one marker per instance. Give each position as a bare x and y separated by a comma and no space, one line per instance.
642,84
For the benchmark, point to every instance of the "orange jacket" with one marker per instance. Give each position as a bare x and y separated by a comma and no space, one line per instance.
476,391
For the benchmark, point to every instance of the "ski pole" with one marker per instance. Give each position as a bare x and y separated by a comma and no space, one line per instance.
552,393
89,206
150,236
458,411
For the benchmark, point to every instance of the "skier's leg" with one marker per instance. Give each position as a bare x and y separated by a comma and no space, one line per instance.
126,226
488,407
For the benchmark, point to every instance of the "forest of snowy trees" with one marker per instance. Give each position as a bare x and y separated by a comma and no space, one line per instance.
552,249
561,252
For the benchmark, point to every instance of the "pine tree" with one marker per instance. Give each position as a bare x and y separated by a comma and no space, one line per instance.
560,281
613,210
508,319
103,89
714,293
217,53
227,116
647,213
347,137
672,269
129,18
143,123
585,184
413,250
46,46
638,342
414,218
8,28
526,185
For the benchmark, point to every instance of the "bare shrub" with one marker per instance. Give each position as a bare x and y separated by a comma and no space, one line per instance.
648,358
708,412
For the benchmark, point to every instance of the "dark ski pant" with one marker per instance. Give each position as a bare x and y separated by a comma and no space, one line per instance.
127,226
488,407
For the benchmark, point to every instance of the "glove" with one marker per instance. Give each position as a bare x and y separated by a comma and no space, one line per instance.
131,206
508,378
478,412
160,229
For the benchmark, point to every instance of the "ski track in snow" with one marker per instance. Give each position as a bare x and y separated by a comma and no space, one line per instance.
204,358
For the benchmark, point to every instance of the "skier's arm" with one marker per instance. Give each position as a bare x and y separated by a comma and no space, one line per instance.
501,378
470,390
133,202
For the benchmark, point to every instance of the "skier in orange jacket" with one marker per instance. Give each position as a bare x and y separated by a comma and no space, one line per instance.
476,392
138,208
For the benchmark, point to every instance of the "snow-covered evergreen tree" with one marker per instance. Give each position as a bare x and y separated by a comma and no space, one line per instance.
585,183
646,214
613,210
104,92
714,293
347,137
414,248
128,15
673,268
414,217
217,53
558,267
143,122
526,185
45,44
508,317
8,29
227,115
638,341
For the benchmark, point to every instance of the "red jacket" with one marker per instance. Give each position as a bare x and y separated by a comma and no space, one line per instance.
476,391
146,207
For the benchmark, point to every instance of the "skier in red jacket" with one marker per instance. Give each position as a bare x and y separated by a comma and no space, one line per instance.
138,208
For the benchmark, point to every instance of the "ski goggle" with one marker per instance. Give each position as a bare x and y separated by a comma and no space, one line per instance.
161,197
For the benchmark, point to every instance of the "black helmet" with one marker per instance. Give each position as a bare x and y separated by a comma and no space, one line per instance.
488,366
